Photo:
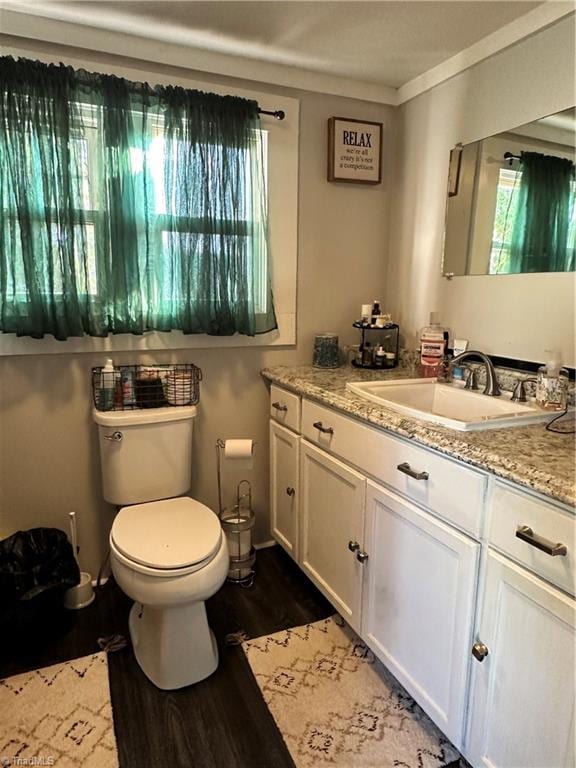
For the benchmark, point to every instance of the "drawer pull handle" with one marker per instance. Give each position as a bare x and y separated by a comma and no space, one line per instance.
480,651
353,546
361,557
321,428
290,491
407,469
280,407
525,533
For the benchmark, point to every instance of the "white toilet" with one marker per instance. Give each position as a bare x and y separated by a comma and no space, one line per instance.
168,552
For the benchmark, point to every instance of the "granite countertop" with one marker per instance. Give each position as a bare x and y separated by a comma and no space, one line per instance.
530,455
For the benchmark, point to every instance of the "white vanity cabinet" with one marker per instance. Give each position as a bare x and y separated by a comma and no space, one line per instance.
284,484
419,592
332,529
523,691
447,574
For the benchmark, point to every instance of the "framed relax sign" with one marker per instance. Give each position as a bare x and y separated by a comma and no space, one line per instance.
354,151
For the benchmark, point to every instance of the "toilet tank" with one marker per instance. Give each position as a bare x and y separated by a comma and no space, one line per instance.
145,455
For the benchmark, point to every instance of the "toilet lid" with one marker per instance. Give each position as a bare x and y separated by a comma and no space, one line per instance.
173,533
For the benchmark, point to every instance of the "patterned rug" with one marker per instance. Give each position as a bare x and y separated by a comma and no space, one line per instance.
336,705
59,715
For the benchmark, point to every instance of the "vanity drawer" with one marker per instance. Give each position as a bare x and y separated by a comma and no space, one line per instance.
285,407
548,525
451,490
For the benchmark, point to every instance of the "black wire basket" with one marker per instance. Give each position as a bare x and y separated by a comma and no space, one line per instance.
132,387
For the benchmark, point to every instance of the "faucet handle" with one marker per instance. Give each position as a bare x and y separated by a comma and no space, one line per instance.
519,393
471,379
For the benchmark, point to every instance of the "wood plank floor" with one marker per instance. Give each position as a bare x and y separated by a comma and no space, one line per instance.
221,722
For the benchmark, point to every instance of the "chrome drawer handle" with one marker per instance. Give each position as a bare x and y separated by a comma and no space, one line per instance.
525,533
280,407
290,491
353,546
115,437
321,428
407,470
361,557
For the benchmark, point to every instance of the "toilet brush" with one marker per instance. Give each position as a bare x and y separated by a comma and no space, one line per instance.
82,594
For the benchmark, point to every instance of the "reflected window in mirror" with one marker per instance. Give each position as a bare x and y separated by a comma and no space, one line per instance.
514,208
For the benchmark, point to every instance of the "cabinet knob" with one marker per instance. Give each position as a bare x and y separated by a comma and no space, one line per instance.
290,492
480,651
280,407
353,546
361,557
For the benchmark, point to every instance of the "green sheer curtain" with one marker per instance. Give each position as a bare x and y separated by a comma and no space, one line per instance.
126,208
542,240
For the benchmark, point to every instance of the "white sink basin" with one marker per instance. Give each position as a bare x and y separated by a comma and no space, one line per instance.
448,405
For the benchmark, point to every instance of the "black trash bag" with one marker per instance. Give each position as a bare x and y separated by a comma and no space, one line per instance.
33,563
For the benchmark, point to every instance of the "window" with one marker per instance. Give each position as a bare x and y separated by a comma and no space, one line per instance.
128,208
506,205
549,212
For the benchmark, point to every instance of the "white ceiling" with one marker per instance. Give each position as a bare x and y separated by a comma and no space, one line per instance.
388,43
373,48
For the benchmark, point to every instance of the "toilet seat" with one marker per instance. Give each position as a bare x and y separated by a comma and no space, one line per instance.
172,537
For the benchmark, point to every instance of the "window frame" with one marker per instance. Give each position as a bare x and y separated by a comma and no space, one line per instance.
282,182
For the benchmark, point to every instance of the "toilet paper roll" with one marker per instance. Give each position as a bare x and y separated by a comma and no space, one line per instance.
240,452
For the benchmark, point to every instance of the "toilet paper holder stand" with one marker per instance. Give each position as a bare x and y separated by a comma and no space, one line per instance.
237,523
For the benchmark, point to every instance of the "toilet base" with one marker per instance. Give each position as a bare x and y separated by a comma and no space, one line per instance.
174,646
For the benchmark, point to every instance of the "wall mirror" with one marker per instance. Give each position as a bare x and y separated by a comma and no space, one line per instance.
511,201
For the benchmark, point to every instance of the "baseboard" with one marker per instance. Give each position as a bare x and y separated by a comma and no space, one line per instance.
266,544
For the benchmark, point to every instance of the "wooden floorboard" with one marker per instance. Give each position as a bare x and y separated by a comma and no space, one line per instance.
222,722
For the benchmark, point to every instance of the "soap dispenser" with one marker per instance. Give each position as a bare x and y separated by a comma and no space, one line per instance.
552,384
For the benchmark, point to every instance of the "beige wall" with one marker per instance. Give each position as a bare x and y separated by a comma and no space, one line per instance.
48,450
515,315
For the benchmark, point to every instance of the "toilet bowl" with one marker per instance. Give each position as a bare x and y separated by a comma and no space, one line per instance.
170,556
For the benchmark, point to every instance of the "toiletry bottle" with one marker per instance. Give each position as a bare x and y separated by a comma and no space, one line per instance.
380,357
375,311
108,378
432,346
367,358
552,384
366,314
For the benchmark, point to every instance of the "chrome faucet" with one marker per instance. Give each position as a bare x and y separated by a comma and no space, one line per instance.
491,387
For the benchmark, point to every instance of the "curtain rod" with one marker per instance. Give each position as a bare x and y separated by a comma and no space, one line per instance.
278,114
510,156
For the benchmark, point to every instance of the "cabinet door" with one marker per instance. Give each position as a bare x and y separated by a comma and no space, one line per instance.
522,704
418,604
332,515
284,449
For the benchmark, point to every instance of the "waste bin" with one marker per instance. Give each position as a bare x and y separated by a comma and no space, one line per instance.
36,568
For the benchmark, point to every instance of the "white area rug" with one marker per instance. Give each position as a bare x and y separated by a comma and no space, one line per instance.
59,715
336,705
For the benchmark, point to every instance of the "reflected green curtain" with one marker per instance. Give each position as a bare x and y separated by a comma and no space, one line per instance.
541,232
126,208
